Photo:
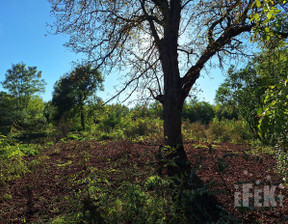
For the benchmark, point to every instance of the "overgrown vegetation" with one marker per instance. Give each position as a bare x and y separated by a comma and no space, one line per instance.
251,110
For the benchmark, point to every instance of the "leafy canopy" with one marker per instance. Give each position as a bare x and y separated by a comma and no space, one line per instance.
22,82
73,89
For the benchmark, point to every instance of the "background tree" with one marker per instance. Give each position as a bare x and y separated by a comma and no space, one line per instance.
22,83
73,90
198,111
33,115
166,44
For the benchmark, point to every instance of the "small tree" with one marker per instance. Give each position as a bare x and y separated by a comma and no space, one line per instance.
242,91
73,90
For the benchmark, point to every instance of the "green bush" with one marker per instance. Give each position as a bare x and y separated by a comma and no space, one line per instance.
143,127
228,131
282,162
12,164
194,131
28,150
217,131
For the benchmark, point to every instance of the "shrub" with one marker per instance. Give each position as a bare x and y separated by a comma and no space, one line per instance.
194,131
142,127
282,162
12,164
228,131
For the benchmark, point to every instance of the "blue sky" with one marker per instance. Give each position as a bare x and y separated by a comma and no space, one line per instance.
23,39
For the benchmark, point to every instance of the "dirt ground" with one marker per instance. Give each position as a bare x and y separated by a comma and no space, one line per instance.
228,169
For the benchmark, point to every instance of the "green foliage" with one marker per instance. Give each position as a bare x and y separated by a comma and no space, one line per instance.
235,131
228,131
28,149
198,111
72,91
154,183
21,108
273,113
270,18
7,112
12,164
32,117
22,83
227,111
242,91
116,121
282,163
154,200
194,131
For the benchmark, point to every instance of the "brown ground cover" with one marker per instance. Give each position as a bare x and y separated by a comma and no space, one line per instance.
43,193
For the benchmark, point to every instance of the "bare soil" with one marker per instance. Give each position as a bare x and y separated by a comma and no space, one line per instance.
43,193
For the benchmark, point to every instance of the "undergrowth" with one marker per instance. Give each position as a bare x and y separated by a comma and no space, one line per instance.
107,196
12,162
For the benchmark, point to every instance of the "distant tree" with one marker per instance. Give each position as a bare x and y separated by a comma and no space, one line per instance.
33,114
227,111
198,111
71,92
22,83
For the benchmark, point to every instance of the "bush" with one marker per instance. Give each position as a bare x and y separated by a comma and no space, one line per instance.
143,127
217,131
228,131
282,162
194,131
12,164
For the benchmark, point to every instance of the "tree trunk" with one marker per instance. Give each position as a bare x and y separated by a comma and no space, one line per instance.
178,164
82,118
173,98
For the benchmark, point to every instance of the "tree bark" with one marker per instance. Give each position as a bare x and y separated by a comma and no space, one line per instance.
82,118
173,98
178,164
173,139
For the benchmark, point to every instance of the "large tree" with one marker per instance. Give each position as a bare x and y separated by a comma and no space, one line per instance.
165,43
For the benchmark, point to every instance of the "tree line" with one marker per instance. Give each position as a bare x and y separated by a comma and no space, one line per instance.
255,94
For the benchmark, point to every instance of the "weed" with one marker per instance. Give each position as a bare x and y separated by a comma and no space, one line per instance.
12,164
222,164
